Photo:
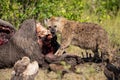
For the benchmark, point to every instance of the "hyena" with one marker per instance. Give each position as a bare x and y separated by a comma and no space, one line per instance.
84,35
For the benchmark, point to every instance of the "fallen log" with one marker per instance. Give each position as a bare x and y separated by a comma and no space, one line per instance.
71,59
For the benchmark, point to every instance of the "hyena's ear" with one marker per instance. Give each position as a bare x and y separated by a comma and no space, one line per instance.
60,19
46,21
53,18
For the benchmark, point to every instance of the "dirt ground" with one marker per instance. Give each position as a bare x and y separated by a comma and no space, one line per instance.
86,72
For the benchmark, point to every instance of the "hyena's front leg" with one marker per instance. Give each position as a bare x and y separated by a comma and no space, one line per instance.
59,52
64,44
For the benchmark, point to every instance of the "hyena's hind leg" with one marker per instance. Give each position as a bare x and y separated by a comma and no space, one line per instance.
105,53
87,56
97,56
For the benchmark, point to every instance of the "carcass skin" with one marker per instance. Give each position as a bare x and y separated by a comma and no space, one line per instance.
22,43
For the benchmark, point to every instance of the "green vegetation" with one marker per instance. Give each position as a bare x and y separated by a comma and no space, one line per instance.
80,10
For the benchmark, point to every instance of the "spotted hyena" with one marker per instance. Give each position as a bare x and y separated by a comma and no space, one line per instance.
84,35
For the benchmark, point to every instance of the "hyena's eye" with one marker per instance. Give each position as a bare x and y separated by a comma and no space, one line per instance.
55,26
49,26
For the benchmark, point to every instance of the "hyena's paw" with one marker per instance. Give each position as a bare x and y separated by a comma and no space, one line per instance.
59,52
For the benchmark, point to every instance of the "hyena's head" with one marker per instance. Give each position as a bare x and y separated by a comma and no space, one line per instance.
55,24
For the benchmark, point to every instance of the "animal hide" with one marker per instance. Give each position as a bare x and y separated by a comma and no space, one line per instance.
22,43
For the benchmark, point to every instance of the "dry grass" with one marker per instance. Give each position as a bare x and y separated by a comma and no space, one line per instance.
87,72
5,74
